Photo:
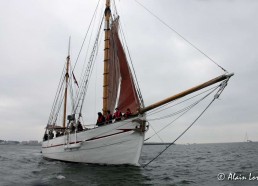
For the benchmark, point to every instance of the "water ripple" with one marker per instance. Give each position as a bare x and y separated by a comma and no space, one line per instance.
179,165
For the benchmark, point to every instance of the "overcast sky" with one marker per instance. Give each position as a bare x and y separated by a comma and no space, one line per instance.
33,47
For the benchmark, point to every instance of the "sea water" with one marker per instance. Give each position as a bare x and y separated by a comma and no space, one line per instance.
195,164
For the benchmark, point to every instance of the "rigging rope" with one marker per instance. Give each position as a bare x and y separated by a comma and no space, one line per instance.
54,112
156,133
172,29
88,71
71,92
85,36
180,134
216,96
134,74
159,109
87,50
185,110
123,38
114,3
57,96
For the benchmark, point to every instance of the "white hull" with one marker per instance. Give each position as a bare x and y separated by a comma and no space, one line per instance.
117,143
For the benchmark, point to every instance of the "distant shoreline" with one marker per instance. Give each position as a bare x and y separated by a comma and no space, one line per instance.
150,143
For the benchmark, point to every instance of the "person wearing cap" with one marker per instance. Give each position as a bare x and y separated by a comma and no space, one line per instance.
117,115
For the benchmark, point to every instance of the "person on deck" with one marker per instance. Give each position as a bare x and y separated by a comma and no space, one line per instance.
57,134
79,126
50,134
45,137
117,115
71,126
101,119
109,117
128,113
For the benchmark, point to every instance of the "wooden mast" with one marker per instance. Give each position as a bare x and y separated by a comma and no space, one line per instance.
66,83
106,57
186,92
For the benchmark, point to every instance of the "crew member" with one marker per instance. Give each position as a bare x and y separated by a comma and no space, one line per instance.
109,117
50,134
117,115
128,113
79,127
71,126
101,119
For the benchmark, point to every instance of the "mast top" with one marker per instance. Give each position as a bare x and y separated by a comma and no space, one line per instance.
69,46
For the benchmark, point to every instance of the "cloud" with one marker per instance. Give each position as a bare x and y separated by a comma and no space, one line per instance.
34,39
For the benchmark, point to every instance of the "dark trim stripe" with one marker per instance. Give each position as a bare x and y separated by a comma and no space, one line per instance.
95,138
123,131
62,144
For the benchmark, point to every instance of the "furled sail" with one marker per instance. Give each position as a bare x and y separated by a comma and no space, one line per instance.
120,76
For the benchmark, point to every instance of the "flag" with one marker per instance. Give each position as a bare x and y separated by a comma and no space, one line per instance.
75,81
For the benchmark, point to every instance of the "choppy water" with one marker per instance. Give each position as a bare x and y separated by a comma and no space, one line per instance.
197,164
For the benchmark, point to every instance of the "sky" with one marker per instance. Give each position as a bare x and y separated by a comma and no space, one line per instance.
33,48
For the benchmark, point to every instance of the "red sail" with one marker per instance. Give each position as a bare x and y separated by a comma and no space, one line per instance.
128,97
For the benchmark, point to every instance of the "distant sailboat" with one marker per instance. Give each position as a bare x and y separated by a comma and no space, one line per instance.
115,142
246,138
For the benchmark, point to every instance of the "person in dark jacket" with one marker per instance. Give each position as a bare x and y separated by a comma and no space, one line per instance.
101,119
79,127
117,115
109,117
128,113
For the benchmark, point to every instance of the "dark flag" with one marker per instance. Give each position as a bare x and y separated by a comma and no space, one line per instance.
75,81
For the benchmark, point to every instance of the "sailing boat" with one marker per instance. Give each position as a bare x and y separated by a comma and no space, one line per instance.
246,138
118,142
